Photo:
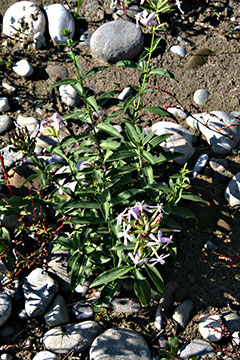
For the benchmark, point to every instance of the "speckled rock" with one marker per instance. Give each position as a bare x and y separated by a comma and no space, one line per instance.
182,313
4,105
130,13
196,347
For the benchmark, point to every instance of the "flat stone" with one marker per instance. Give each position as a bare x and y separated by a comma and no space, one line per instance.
200,164
125,93
124,305
178,111
178,50
85,37
25,11
200,96
69,95
232,321
198,59
57,72
27,121
117,40
78,337
57,313
4,105
45,355
9,157
23,68
82,312
38,289
196,347
119,344
5,123
129,14
232,192
236,338
210,327
5,308
182,313
57,267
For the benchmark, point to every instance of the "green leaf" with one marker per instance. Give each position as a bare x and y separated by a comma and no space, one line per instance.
131,133
92,102
129,246
183,212
111,275
129,64
64,82
108,293
85,220
148,172
108,144
159,187
125,195
157,110
192,197
77,114
147,156
69,140
111,130
120,155
173,342
30,178
163,72
143,291
155,276
82,204
158,140
94,70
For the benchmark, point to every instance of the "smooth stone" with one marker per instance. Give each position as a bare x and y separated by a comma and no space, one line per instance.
77,337
124,305
178,50
180,141
38,289
27,11
232,321
5,123
59,18
9,87
200,164
5,308
82,312
131,10
43,141
22,314
82,289
57,313
200,96
13,288
182,313
125,93
220,168
27,121
196,347
4,105
162,341
57,267
69,95
45,355
119,344
198,59
9,157
215,121
6,356
39,41
177,111
85,38
232,192
236,338
23,68
117,40
210,327
57,72
183,40
210,246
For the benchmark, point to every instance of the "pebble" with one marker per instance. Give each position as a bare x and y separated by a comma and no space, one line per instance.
232,192
57,313
27,121
200,164
82,312
210,327
162,341
9,157
57,267
61,340
215,120
236,338
182,40
4,105
124,305
200,96
39,41
57,72
23,68
117,40
182,313
5,123
85,38
196,347
5,308
180,141
232,321
210,246
119,344
69,95
38,289
9,221
6,356
45,355
198,59
8,87
220,167
82,289
131,10
30,13
178,50
59,18
178,111
125,93
22,314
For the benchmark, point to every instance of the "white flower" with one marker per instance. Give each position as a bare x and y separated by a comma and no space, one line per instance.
178,4
125,233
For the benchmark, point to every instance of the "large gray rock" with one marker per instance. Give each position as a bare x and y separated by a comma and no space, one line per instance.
119,344
117,40
72,336
45,355
196,347
38,289
58,313
5,308
213,126
232,192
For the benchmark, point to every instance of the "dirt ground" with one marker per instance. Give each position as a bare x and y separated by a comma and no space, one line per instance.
207,280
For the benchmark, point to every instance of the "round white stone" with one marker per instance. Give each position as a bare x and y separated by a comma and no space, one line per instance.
179,50
69,95
4,105
200,96
23,68
45,355
59,18
25,11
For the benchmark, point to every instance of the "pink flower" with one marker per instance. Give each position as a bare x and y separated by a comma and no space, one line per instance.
145,19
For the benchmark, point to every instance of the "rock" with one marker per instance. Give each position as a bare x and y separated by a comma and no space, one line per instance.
200,164
19,174
10,289
210,246
178,111
232,321
57,72
45,355
6,356
196,347
85,37
57,267
119,344
4,105
179,50
236,338
200,96
78,337
5,123
130,13
82,289
198,59
5,308
9,157
82,312
39,41
22,314
124,305
232,192
180,141
9,87
117,40
23,68
58,313
214,126
9,221
220,167
38,289
182,40
27,121
125,93
59,18
27,12
69,95
182,313
162,341
210,327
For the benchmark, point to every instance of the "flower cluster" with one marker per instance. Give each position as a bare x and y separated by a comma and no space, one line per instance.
139,224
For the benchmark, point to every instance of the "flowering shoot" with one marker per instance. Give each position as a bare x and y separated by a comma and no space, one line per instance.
145,19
